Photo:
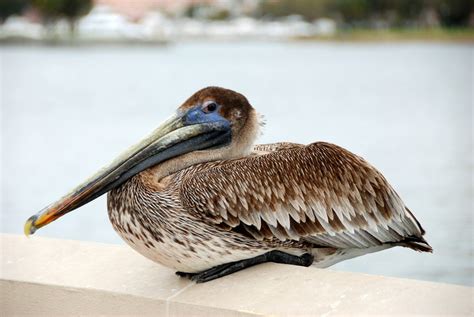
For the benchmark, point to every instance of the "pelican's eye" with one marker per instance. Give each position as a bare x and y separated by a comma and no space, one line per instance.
210,107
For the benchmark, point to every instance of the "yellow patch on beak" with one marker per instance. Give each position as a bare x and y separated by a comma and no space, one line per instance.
28,226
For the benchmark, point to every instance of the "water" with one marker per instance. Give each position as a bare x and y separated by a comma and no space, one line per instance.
407,108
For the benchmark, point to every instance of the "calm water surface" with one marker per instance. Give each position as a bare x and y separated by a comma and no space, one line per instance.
406,108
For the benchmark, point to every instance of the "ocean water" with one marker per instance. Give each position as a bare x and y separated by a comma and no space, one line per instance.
406,108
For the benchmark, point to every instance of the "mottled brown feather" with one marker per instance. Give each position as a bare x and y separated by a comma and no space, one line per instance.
320,193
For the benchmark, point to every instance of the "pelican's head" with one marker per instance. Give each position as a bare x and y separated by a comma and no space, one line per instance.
215,104
213,124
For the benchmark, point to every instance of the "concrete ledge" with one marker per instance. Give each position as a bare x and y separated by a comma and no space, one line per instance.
52,277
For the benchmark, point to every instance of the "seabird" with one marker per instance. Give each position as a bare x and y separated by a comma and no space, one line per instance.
197,195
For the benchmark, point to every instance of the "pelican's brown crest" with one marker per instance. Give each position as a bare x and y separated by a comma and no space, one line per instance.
199,196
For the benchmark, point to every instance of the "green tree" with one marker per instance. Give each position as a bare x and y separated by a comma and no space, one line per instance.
397,12
74,9
308,9
11,7
351,11
71,10
365,12
454,12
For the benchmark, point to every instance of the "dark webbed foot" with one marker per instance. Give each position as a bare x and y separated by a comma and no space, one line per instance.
229,268
285,258
186,275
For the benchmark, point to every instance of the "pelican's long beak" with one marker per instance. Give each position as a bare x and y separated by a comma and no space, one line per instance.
182,133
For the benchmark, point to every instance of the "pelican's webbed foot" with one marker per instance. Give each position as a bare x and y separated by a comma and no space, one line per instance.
186,275
229,268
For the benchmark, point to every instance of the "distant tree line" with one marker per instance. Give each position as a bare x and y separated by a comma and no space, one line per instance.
50,10
368,13
363,13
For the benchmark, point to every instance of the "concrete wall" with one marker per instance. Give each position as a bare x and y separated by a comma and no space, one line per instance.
50,277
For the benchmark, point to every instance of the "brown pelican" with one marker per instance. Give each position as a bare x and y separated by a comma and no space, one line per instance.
198,196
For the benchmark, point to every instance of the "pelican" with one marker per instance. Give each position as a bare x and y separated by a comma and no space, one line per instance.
197,195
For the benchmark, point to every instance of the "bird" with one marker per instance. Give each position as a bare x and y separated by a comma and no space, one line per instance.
200,196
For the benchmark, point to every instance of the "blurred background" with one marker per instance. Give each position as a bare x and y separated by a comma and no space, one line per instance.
158,21
391,80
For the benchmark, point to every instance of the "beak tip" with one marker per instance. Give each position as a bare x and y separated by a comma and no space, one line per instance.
30,228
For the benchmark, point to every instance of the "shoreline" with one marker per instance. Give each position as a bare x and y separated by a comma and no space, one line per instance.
436,35
464,35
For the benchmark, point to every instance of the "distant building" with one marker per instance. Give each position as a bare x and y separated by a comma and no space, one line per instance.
137,9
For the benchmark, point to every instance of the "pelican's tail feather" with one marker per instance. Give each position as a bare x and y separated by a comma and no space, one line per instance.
416,243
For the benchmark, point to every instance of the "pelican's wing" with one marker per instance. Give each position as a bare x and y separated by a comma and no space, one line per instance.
320,193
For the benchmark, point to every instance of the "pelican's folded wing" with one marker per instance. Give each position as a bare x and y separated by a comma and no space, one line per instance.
320,193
